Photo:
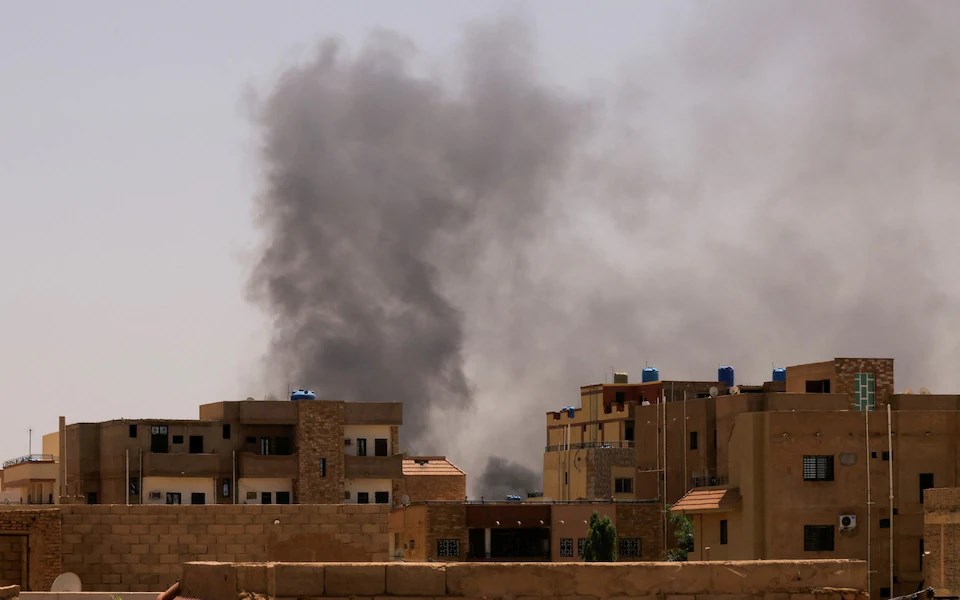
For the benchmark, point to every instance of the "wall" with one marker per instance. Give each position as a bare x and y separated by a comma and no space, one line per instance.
369,433
795,580
370,486
941,567
257,485
319,434
434,487
142,548
570,521
12,552
43,531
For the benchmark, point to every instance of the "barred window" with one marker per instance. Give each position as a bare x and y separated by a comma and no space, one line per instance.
818,538
566,547
580,542
448,548
629,547
818,467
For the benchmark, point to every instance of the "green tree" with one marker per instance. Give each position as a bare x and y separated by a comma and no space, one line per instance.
683,534
601,542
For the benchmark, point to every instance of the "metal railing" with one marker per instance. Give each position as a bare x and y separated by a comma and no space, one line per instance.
29,458
585,445
709,481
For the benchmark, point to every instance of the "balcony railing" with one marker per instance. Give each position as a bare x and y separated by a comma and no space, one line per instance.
584,445
709,481
29,458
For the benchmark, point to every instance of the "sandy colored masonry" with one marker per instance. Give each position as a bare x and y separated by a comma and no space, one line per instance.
766,580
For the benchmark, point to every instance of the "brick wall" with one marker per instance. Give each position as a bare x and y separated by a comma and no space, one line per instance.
11,559
320,435
643,521
142,548
882,368
747,580
446,522
433,487
599,461
941,538
42,530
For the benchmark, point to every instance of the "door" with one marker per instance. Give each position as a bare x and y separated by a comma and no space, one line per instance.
380,447
198,498
265,446
266,497
159,443
196,444
361,446
283,497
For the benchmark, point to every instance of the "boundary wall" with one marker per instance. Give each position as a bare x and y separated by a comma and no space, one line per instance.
742,580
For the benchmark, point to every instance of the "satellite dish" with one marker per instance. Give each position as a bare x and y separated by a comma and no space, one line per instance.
714,392
405,500
907,391
924,391
734,391
66,582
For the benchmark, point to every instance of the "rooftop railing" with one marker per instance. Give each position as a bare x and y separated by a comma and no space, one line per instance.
584,445
29,458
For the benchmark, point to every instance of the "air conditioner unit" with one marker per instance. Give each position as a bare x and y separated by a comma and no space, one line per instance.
154,495
848,522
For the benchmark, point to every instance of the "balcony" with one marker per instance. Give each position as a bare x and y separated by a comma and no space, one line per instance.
269,465
586,445
29,458
181,465
373,467
708,481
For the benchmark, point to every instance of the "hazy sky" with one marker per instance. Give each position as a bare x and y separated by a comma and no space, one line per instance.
127,172
756,182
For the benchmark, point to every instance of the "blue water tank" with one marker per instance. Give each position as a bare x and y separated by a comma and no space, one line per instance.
725,376
780,375
650,374
571,412
302,395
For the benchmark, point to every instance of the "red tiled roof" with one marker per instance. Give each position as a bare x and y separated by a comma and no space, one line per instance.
708,500
429,465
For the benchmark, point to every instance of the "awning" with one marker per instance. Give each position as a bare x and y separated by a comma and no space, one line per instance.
708,500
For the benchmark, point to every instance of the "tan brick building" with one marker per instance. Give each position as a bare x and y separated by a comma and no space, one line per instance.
431,478
515,531
941,541
247,452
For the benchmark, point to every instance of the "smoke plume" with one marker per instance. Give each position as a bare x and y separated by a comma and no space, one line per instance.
502,477
774,184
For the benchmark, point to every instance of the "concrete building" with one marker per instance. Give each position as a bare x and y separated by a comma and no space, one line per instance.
32,478
519,531
941,541
431,478
247,452
797,469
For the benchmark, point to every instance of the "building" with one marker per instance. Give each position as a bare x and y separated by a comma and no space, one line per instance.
32,478
431,478
796,470
940,552
594,451
519,531
247,452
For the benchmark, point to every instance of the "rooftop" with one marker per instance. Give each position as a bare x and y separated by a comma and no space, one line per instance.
708,500
430,465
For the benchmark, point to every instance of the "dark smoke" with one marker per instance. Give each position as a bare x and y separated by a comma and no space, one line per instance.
776,183
502,477
380,182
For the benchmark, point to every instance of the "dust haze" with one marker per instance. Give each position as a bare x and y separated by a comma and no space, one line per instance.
775,185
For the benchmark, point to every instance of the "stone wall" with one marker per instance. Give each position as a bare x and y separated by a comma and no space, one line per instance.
643,522
420,488
41,527
320,435
599,461
748,580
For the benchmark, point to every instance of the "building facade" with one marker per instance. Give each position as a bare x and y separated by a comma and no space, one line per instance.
247,452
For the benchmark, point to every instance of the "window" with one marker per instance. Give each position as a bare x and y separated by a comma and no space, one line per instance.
91,497
251,440
173,498
884,523
380,447
178,439
227,487
283,446
566,547
363,498
864,391
884,592
134,485
361,446
926,482
266,497
623,485
628,431
566,478
251,495
723,531
885,455
265,446
198,498
133,430
448,548
323,467
580,542
381,497
819,386
629,548
158,440
921,554
714,439
818,538
693,440
283,497
620,398
818,467
196,444
226,431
